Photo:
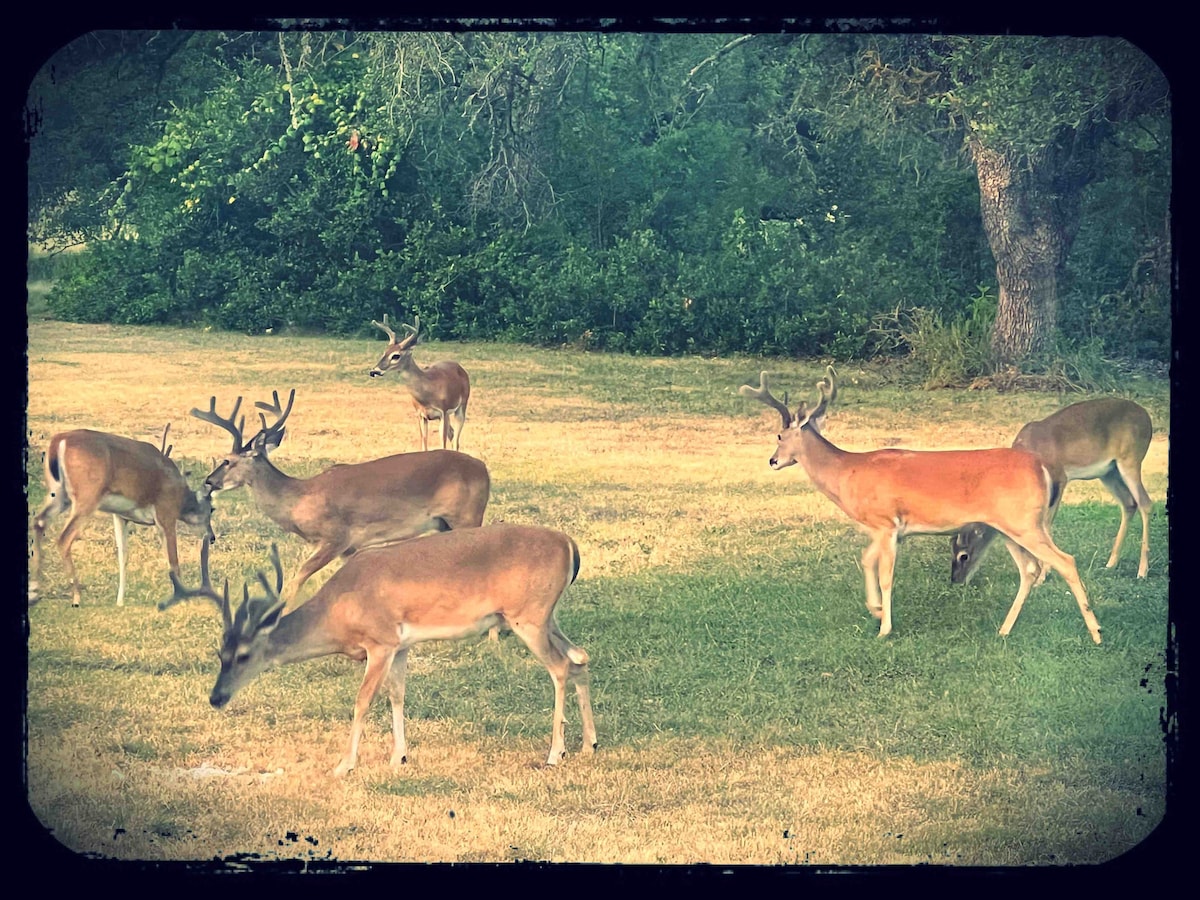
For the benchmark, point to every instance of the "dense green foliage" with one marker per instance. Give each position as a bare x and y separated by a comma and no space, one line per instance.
653,193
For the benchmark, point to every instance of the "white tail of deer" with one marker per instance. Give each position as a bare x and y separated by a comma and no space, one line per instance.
353,506
385,600
439,391
891,493
93,471
1105,439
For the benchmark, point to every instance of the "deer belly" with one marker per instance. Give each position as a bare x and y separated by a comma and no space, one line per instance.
415,634
127,509
1084,473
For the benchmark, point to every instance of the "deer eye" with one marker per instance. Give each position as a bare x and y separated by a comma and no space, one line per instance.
395,357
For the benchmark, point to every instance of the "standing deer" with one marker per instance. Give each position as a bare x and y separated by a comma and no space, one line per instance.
892,493
1106,439
438,392
349,507
386,599
93,471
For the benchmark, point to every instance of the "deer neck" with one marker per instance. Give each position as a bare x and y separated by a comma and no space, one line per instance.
408,370
824,462
276,493
301,634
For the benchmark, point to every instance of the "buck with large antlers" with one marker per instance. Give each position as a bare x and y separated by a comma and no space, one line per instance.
349,507
92,471
1106,439
439,391
385,600
892,493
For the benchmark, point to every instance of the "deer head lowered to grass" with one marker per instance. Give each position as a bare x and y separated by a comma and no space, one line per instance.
387,599
92,471
439,391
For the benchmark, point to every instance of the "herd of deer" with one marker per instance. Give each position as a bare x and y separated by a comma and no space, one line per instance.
462,578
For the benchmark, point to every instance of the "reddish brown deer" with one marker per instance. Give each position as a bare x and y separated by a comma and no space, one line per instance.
92,471
439,391
349,507
892,493
1105,439
386,599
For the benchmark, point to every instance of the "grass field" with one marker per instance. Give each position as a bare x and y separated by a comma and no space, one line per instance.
747,713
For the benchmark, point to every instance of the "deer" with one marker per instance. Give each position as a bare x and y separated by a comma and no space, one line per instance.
88,471
439,391
384,600
351,506
891,493
1106,439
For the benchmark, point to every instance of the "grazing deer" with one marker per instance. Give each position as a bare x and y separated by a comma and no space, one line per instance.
892,493
438,392
92,471
349,507
386,599
1105,439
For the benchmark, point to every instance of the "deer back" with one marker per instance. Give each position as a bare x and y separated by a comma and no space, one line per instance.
1084,438
393,497
942,490
108,465
449,584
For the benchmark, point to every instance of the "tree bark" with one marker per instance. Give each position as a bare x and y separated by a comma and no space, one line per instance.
1028,226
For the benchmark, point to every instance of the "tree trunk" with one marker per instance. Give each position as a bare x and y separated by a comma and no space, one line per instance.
1029,227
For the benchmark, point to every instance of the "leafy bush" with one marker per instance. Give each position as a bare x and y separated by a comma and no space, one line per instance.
947,353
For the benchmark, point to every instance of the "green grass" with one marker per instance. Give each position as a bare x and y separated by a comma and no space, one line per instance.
736,674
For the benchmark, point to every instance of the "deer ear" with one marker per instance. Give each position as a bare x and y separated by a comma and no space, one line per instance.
270,618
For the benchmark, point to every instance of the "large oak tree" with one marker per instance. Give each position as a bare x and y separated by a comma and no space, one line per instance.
1032,113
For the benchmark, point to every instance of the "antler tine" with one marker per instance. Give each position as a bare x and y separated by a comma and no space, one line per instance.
205,590
163,448
386,328
763,395
827,387
411,338
273,593
275,409
226,423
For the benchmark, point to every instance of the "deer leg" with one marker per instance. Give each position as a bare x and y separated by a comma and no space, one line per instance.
423,424
557,663
1057,492
578,675
887,567
1027,567
1046,552
121,532
444,428
72,530
870,563
395,686
1116,486
325,554
378,664
460,419
1132,496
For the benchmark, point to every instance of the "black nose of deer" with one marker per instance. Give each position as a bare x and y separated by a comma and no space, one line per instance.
218,700
374,373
